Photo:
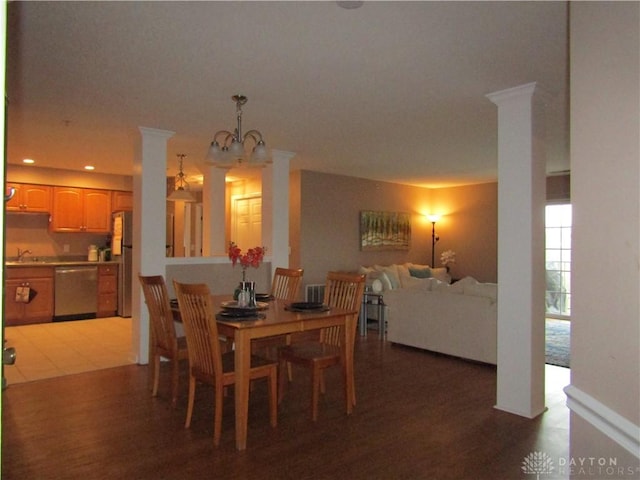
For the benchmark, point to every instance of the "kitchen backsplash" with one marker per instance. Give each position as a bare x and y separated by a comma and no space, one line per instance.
31,231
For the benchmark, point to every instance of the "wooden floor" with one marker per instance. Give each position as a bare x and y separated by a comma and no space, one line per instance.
418,416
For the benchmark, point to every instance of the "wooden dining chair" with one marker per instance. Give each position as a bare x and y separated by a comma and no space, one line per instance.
344,291
285,286
164,341
207,363
286,283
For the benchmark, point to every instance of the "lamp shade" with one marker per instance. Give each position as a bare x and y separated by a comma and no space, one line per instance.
260,153
180,194
236,149
214,152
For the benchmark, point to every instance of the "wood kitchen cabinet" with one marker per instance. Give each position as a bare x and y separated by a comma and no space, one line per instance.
81,210
107,290
29,198
39,308
121,201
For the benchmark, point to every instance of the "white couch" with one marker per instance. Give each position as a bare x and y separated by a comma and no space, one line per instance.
457,319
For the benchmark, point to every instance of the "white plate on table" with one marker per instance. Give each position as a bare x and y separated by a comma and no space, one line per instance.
233,305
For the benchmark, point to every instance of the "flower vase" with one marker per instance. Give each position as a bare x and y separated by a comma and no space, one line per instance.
236,292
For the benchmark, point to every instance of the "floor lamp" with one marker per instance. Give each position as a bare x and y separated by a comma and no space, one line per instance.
434,238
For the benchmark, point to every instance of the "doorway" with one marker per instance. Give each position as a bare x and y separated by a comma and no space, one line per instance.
558,281
246,220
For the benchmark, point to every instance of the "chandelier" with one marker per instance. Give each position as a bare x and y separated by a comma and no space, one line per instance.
230,149
181,186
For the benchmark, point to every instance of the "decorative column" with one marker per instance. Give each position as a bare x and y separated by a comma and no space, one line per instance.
275,208
521,268
149,223
213,210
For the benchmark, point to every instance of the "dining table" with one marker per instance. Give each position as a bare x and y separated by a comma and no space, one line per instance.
276,317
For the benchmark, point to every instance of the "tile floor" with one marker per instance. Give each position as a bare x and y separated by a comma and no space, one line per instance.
62,348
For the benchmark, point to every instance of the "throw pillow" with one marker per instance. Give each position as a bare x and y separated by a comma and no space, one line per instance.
403,273
380,279
392,274
420,272
376,286
489,290
467,281
365,270
441,274
456,287
417,283
438,286
418,265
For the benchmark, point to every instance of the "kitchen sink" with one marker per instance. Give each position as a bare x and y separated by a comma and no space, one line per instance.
36,261
26,263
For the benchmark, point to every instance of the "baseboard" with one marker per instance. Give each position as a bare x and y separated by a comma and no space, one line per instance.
607,421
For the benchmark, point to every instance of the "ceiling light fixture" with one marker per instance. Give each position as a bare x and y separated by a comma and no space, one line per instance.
349,5
181,192
228,149
28,161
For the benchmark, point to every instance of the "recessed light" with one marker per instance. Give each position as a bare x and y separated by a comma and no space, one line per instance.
349,5
28,161
89,167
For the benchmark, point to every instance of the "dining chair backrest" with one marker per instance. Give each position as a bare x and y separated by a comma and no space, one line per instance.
160,315
200,328
286,283
342,290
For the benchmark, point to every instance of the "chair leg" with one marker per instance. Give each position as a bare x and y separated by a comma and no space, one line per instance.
323,386
175,371
192,394
289,369
316,376
353,389
282,379
217,415
273,397
156,374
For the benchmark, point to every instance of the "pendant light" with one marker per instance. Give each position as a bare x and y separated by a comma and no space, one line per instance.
233,149
181,192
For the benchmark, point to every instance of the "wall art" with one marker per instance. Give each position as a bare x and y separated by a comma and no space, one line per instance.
385,230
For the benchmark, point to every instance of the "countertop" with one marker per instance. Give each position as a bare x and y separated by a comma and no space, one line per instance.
55,263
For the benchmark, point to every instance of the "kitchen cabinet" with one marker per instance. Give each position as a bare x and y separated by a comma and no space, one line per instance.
29,198
107,290
38,306
121,201
81,210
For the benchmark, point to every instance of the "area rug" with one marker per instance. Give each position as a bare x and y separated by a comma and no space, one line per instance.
558,336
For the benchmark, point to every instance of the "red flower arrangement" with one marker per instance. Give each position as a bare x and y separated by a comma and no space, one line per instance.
252,258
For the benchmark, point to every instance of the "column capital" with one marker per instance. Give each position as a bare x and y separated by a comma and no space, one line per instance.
282,155
156,132
520,91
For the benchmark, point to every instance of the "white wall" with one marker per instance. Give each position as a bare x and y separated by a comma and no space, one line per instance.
605,163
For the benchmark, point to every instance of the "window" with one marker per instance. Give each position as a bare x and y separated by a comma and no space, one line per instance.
558,260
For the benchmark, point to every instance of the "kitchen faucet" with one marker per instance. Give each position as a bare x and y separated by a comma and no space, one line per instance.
22,253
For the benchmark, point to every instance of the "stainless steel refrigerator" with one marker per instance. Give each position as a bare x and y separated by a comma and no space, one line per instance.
122,250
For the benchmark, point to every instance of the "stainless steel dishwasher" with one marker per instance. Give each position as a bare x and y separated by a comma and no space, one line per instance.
76,292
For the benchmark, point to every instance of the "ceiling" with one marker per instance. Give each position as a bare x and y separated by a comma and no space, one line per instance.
392,91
